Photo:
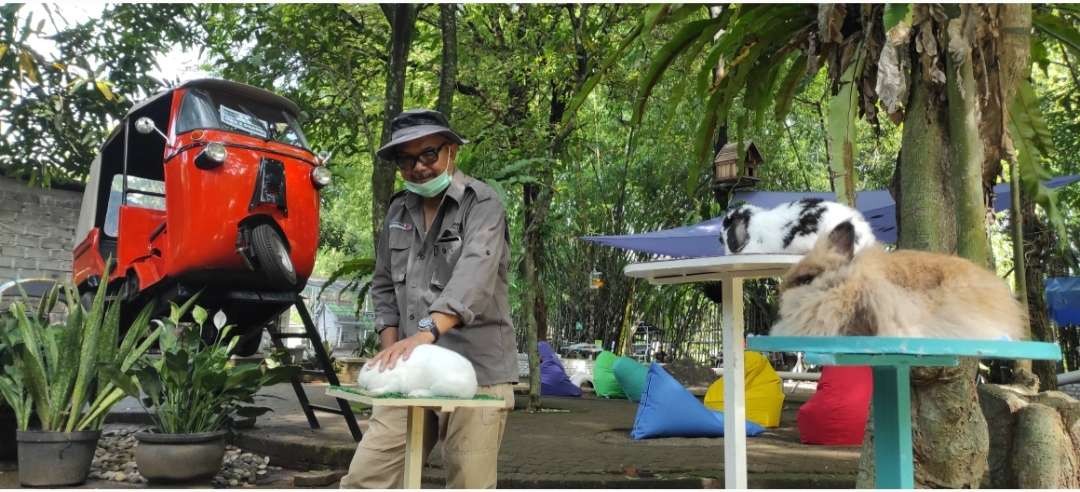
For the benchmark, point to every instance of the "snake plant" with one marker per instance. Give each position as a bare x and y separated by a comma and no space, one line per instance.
60,372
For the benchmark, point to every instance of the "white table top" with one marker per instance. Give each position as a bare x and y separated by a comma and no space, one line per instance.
711,268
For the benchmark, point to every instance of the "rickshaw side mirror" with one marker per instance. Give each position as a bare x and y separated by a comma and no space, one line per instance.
145,126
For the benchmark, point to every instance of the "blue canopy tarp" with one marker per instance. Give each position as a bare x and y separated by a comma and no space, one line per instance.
703,239
1063,300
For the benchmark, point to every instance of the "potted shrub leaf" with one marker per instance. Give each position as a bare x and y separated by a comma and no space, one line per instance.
8,423
55,381
194,394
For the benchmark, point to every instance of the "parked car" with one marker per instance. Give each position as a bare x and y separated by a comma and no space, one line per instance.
207,186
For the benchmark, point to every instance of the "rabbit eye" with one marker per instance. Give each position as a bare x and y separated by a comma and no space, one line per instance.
803,280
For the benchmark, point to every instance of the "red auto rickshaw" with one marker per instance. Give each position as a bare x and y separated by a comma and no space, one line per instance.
209,186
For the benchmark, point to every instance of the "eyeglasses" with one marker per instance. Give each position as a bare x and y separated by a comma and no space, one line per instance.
427,157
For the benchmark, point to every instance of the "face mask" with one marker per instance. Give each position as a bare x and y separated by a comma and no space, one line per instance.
431,187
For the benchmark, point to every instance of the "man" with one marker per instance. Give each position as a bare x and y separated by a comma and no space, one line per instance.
440,277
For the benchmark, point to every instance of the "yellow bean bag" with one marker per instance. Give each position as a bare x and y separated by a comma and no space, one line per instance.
764,392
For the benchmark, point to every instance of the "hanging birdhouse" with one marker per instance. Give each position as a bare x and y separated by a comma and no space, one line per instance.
596,279
726,172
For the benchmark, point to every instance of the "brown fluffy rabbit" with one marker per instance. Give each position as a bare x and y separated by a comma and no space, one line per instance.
900,294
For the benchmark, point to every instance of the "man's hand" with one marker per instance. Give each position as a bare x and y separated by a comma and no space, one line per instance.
388,358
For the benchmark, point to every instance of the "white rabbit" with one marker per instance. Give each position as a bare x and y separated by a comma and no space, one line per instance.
791,227
429,371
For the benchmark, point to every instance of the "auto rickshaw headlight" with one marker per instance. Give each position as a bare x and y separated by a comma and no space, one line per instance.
320,176
211,156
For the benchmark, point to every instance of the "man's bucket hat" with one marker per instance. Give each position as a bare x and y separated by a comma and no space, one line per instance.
413,124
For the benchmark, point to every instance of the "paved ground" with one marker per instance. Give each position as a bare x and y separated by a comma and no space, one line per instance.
583,443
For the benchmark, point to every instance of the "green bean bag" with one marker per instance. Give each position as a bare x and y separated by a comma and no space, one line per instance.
604,383
631,375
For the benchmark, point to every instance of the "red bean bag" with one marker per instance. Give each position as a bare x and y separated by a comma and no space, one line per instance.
837,413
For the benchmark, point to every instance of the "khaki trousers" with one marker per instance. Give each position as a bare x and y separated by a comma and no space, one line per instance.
471,439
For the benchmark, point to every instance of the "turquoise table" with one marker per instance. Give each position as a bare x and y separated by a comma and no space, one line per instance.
892,360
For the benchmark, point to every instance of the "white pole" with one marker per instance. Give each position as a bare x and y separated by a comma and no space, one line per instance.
734,384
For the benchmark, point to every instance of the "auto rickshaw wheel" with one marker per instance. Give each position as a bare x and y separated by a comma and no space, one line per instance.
249,342
273,256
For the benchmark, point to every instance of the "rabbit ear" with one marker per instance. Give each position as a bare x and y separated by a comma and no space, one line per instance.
842,239
735,224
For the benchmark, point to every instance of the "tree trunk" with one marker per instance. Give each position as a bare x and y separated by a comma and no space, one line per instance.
402,19
967,147
1039,236
448,76
950,437
534,211
924,190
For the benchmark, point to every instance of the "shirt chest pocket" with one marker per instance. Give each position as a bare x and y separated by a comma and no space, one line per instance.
445,255
400,244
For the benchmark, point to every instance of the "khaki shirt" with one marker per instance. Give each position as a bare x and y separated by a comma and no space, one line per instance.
459,268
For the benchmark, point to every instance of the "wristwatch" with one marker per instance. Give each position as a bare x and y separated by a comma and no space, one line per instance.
427,324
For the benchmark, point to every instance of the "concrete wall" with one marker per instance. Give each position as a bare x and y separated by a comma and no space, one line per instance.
37,229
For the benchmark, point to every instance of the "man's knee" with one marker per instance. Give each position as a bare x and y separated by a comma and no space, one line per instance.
372,469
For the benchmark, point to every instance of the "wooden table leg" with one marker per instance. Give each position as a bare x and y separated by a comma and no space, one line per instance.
414,447
893,463
734,384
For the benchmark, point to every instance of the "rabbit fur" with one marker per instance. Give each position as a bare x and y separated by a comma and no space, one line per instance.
429,371
789,227
833,291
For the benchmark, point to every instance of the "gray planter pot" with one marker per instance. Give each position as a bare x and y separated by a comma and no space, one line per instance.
55,459
173,458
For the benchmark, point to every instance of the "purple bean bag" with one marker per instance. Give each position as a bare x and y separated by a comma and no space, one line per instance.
553,378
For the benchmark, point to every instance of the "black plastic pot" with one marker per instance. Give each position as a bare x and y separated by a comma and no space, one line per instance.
174,458
55,459
8,425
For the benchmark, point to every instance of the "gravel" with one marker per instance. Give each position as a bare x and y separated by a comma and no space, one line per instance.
114,460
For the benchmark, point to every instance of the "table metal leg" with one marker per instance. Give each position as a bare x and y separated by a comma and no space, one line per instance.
414,447
734,384
892,428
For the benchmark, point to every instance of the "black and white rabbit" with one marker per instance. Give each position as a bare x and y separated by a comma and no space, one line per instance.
788,228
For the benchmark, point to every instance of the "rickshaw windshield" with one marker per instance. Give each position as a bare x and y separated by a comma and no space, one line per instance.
202,109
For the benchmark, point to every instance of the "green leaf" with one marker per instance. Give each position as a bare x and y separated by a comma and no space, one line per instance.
1032,140
28,67
103,88
896,13
1059,29
127,383
150,383
786,93
352,267
590,83
842,112
199,314
703,141
667,55
654,13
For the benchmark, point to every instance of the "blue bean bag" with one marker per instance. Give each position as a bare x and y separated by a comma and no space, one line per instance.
669,410
553,378
631,375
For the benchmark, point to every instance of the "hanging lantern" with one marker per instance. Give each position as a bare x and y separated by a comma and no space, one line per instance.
596,279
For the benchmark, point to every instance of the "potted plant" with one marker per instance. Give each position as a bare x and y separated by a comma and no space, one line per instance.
58,373
8,423
194,395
